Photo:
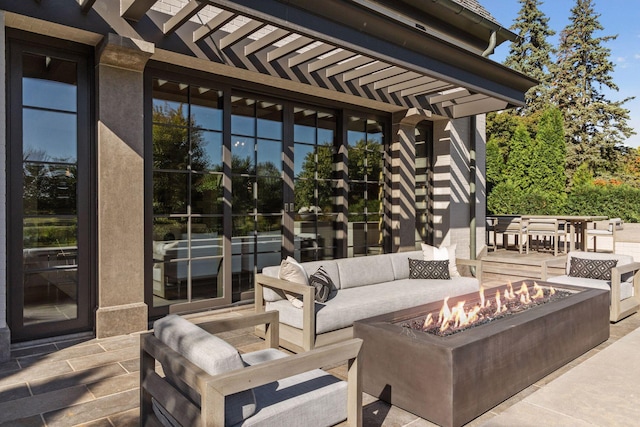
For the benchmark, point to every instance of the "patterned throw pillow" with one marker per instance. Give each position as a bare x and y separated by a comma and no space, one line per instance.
420,269
323,284
592,268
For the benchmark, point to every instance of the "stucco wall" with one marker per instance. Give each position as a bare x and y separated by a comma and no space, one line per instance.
452,142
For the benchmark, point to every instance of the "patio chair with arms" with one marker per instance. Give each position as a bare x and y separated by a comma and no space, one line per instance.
594,270
614,225
208,383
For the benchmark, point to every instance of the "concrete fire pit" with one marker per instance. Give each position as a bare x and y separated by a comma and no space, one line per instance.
452,380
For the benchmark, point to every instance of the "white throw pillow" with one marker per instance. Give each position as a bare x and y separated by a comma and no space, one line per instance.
431,253
292,271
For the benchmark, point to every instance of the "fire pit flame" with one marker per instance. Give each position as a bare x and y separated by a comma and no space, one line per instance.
459,316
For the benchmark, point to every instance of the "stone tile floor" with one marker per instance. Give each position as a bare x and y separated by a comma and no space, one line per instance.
94,382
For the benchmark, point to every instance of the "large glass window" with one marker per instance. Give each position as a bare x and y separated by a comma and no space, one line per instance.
257,198
365,139
50,171
49,232
187,192
315,213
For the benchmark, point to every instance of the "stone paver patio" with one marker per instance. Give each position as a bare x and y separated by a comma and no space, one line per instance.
90,382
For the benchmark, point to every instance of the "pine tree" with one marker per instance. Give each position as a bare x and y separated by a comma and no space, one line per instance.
594,126
531,53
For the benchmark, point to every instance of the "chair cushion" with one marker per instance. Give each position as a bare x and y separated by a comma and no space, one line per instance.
211,354
313,398
421,269
599,269
362,271
431,253
292,271
349,305
400,264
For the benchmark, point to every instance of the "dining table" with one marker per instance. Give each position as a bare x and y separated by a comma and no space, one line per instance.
578,226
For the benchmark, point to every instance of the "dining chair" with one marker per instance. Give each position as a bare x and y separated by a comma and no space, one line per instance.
613,226
512,226
547,227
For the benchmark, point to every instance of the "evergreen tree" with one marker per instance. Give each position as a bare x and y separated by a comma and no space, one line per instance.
548,172
531,53
521,159
594,126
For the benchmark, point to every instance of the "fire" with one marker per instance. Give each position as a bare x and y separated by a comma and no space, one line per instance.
461,316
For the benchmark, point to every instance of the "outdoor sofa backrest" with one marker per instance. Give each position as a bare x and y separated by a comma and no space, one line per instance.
352,272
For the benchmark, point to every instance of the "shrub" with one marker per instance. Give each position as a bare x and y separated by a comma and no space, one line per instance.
614,201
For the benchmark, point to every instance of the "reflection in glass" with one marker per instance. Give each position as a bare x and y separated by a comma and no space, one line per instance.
49,180
269,195
49,83
50,295
170,147
314,228
270,128
242,155
244,126
44,232
206,193
207,156
269,120
243,200
204,276
170,192
269,155
303,155
49,135
206,108
304,134
366,185
49,189
168,230
170,100
243,226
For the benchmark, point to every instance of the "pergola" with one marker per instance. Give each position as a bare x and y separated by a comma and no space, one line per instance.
368,49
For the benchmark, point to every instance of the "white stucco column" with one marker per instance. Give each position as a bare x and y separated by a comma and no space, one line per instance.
120,63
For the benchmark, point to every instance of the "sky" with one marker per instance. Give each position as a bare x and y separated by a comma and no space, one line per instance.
618,17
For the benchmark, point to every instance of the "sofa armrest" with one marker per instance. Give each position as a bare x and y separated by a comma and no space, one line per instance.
475,264
620,309
560,262
308,301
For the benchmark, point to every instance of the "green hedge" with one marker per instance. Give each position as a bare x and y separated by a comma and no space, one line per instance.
614,201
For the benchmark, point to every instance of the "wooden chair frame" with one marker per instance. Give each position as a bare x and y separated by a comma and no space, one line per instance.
214,389
619,309
553,228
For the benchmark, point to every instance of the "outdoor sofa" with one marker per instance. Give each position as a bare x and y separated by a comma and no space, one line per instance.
362,287
615,272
